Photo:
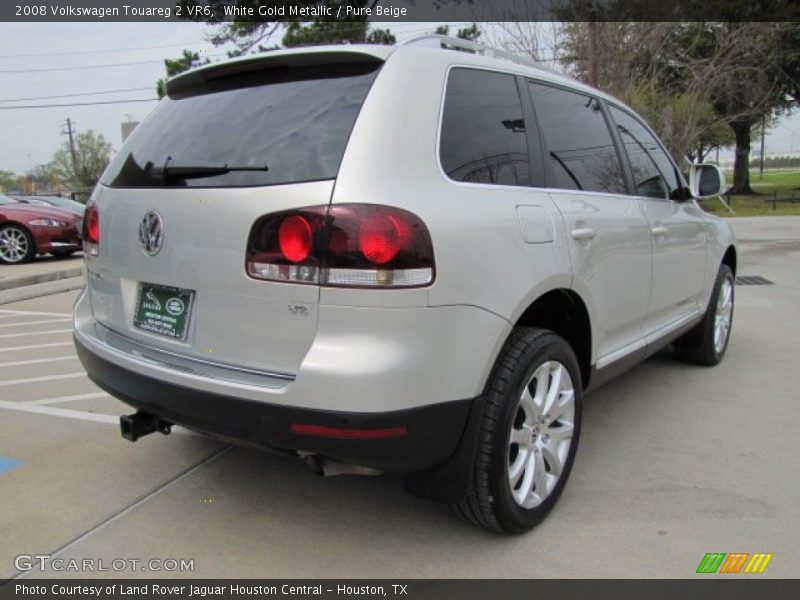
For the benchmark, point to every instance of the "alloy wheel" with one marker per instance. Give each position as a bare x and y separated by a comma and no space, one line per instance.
541,434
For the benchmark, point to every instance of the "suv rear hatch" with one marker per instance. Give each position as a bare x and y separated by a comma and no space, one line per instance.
229,144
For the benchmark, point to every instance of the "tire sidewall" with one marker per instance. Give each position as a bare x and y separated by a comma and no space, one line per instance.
522,518
711,314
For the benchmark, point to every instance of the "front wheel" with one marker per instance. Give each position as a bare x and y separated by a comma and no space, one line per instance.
16,245
529,433
707,342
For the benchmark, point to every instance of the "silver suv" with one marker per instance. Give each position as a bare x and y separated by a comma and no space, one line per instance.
409,259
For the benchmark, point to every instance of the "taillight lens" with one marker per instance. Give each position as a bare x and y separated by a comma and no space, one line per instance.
294,238
350,245
91,230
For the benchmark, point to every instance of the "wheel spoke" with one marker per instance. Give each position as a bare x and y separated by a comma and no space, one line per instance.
540,476
516,468
542,376
550,453
554,391
521,437
528,406
564,406
527,480
559,434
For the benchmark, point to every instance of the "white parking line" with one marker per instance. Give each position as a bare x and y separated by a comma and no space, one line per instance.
79,415
11,313
52,331
37,361
36,346
59,399
61,320
40,379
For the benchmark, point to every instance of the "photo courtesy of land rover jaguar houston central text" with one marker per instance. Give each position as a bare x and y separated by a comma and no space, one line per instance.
412,259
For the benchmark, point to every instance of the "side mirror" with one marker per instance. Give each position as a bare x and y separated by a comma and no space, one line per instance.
706,181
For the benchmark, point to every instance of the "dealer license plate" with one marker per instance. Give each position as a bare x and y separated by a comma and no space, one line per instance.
164,310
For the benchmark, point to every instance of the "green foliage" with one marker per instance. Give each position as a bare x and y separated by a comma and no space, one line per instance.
471,33
334,32
248,32
8,180
92,154
186,61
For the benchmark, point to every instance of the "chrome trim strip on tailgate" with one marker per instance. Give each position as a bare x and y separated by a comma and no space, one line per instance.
127,348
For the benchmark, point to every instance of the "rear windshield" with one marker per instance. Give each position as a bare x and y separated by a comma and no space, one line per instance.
296,121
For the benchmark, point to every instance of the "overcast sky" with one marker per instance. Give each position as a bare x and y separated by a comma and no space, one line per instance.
40,59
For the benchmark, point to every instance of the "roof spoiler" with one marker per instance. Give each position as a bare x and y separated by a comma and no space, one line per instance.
206,74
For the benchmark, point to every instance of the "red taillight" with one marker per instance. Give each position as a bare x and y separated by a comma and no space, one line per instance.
348,434
348,245
381,237
294,238
91,230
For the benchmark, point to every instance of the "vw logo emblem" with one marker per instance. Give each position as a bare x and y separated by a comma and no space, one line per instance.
151,233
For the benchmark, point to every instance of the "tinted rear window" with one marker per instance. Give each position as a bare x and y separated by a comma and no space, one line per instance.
582,152
295,120
483,130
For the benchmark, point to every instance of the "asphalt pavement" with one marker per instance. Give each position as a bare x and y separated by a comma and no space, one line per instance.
675,461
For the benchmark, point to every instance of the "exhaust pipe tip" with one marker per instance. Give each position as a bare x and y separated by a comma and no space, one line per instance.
326,467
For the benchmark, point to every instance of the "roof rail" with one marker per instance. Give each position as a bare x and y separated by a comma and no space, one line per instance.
453,43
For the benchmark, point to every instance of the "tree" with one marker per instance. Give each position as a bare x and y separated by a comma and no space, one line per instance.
247,33
92,156
8,180
471,33
739,68
186,61
335,32
673,72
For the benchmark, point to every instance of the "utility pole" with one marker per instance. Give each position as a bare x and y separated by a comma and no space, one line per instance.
761,165
70,132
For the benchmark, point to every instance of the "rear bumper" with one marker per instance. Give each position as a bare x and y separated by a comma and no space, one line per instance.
433,432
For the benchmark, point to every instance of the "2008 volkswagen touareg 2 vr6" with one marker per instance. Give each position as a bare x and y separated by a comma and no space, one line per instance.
407,259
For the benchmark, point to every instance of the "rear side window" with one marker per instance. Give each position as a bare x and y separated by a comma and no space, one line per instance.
483,137
653,171
581,152
296,121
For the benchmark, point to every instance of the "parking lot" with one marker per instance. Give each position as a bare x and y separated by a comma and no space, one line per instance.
675,461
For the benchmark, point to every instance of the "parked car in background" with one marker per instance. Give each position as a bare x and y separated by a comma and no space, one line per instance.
29,229
55,201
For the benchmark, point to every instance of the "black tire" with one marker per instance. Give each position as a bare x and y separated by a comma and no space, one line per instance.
489,501
16,231
698,346
63,253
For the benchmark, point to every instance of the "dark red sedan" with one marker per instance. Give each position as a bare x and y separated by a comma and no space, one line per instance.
27,230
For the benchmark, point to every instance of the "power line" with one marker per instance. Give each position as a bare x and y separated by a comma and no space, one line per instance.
79,104
187,46
140,89
105,66
81,68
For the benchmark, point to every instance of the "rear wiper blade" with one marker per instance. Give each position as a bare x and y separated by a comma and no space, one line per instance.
188,170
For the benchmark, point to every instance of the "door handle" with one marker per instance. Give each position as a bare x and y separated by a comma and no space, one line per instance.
659,230
584,233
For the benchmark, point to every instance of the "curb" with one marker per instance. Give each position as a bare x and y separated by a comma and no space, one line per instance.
7,284
27,292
